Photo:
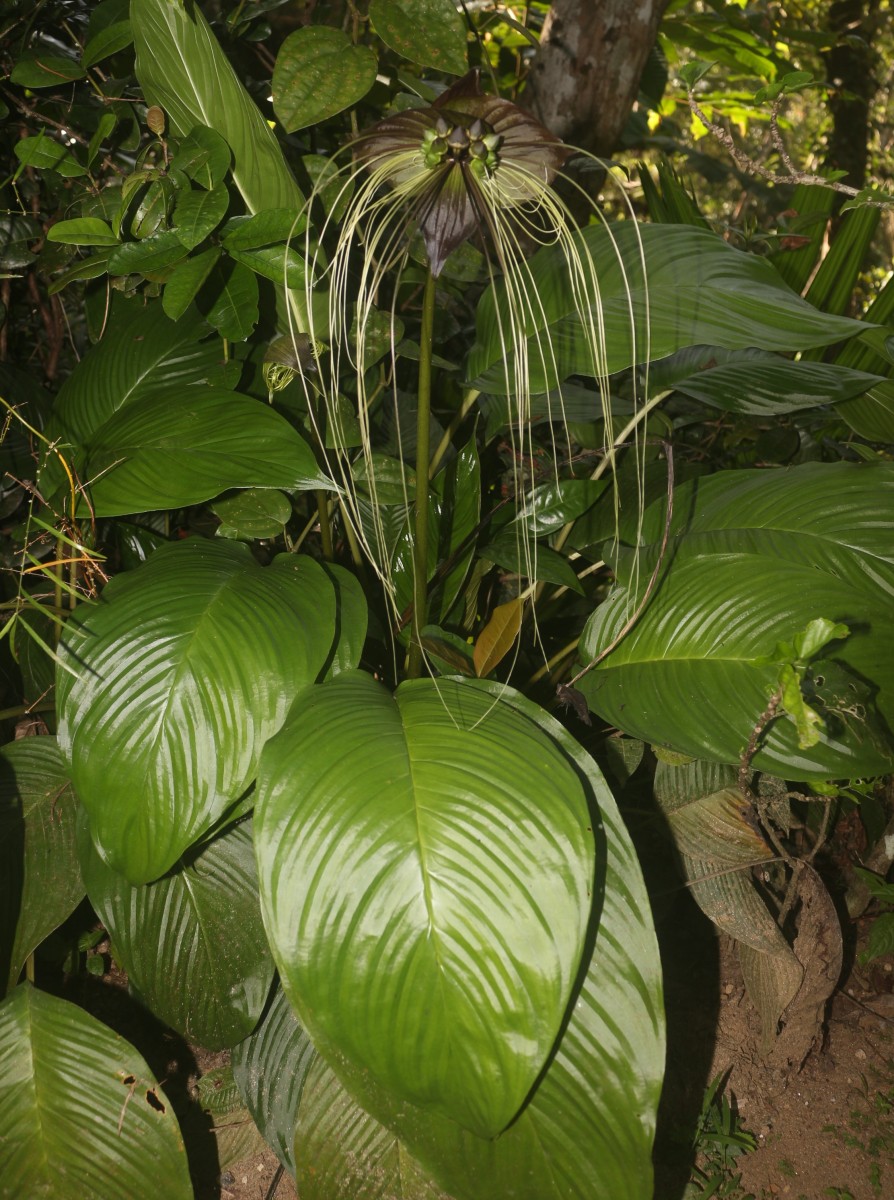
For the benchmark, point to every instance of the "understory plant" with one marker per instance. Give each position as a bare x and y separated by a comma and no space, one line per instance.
373,535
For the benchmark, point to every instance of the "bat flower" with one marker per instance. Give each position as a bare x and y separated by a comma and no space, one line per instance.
461,164
469,166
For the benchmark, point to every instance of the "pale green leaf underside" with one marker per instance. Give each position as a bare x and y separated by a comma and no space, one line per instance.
182,672
679,286
74,1111
586,1133
426,874
183,69
40,880
192,943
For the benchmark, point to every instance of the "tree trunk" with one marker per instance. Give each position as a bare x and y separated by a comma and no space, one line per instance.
851,67
584,79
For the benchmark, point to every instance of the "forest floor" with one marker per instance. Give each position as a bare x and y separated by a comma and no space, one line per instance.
823,1133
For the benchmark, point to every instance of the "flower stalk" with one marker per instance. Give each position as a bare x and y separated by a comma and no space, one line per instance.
423,454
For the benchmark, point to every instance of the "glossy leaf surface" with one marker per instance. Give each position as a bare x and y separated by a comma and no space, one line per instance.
270,1067
426,869
757,556
182,672
174,449
586,1131
80,1111
40,880
750,381
696,290
342,1151
142,354
192,943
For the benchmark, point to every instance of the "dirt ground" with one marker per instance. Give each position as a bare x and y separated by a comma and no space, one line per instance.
824,1132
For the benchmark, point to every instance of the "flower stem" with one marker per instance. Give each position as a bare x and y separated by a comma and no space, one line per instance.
322,499
423,453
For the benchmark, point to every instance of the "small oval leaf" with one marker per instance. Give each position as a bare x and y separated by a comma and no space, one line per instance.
318,73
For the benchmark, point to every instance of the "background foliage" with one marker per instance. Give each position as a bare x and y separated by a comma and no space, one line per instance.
411,906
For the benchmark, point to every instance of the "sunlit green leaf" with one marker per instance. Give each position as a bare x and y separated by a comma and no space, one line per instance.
756,557
81,1112
458,898
586,1131
182,672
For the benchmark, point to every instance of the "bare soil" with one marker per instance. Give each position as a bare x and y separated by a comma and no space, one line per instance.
825,1131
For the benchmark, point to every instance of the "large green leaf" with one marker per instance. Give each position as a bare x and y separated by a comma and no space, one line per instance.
270,1067
756,556
40,880
192,943
81,1113
181,673
342,1151
182,68
753,382
180,448
661,288
142,354
426,868
586,1131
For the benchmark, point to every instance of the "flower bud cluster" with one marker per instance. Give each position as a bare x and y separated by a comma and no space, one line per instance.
476,145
